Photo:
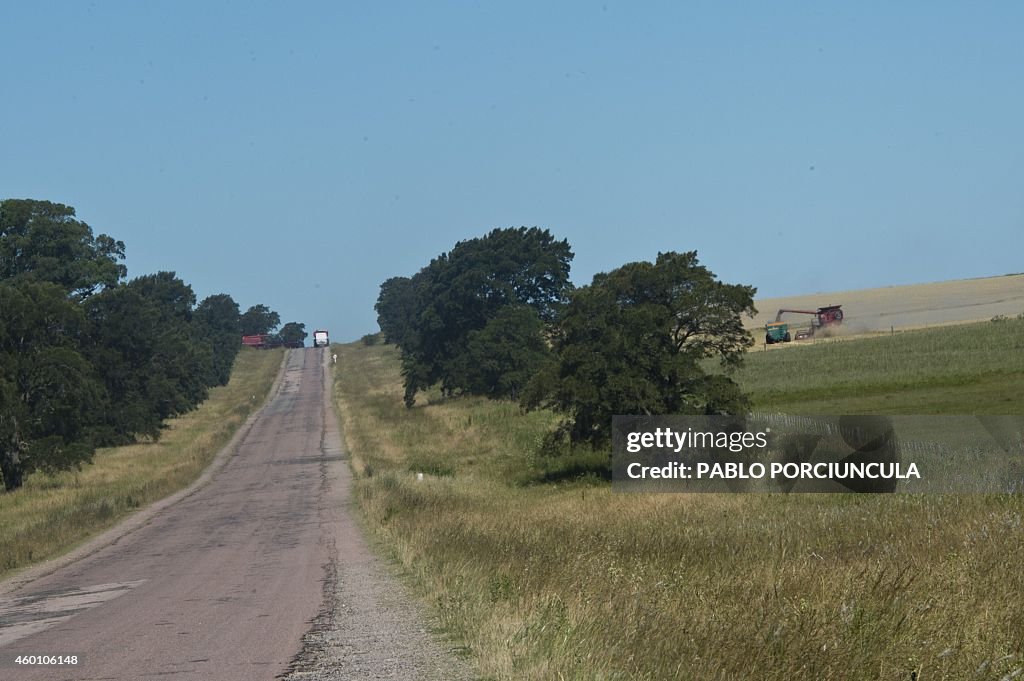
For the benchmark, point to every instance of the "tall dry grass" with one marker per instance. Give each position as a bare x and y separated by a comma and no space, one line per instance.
573,581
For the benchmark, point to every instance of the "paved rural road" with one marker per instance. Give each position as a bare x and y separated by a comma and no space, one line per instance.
258,574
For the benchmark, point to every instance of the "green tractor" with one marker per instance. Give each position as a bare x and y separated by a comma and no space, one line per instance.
776,332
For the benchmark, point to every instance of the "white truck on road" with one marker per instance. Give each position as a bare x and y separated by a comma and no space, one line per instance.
320,339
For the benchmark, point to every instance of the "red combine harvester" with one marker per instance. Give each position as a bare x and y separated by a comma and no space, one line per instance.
824,317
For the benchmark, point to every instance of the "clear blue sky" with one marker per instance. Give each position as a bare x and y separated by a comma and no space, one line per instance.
297,154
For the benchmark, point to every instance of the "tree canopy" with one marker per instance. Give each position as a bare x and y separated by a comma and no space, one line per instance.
153,361
293,334
501,358
635,341
397,309
87,360
259,319
42,241
218,324
434,314
48,391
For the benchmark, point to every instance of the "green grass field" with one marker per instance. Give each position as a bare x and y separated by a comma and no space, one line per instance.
573,581
968,369
52,514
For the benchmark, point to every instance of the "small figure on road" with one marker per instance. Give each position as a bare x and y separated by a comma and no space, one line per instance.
334,358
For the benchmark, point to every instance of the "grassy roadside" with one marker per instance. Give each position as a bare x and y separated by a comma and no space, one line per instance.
53,513
571,581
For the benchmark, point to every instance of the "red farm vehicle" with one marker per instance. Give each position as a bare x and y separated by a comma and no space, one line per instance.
267,341
823,317
258,341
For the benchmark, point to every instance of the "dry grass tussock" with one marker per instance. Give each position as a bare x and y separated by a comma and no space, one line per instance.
573,581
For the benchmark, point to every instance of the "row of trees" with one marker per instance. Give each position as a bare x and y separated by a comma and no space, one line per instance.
260,320
497,316
87,359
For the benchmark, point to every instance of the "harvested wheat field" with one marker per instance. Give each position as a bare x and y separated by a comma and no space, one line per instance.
906,307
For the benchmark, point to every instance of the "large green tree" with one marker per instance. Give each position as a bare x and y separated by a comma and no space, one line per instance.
42,241
145,350
48,391
293,334
218,324
173,298
179,356
635,341
461,291
501,358
259,319
397,308
86,360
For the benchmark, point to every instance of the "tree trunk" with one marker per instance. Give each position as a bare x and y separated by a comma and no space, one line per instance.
10,466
